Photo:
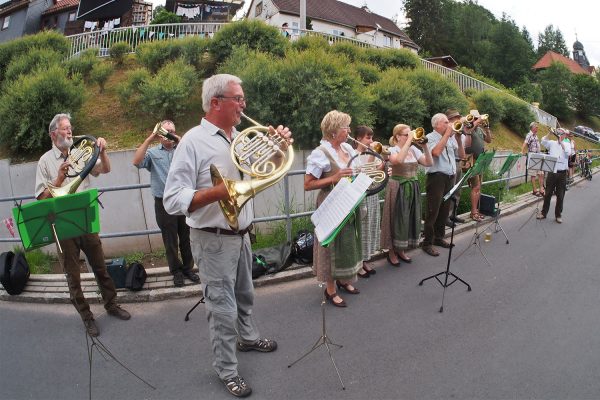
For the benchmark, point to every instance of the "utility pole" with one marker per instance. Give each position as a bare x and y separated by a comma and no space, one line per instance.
302,15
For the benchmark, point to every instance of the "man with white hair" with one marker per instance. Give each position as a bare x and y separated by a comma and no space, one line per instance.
445,148
223,255
556,182
52,169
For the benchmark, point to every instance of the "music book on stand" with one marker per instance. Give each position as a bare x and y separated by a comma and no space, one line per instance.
338,206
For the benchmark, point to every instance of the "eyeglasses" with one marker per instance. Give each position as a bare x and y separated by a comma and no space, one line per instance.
238,99
346,128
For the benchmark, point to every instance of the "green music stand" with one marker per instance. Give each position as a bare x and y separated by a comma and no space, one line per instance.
483,162
44,222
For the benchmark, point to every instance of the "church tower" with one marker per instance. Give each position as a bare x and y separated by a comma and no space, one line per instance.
579,55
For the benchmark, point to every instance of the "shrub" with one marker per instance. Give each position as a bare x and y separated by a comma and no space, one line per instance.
491,102
299,90
118,51
310,42
353,52
368,73
100,74
166,94
153,55
517,115
194,50
254,34
129,91
31,61
30,102
396,100
49,40
392,58
82,64
437,92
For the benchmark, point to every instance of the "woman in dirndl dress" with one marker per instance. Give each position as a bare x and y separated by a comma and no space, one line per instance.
370,214
401,226
338,263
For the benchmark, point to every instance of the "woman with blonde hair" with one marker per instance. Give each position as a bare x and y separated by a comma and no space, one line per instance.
325,166
401,225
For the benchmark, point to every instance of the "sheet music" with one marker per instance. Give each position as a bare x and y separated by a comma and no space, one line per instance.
338,204
542,162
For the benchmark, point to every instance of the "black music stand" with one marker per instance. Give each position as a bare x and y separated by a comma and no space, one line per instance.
42,222
539,162
483,162
447,272
323,340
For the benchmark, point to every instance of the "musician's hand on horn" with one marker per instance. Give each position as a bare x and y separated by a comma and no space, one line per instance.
283,132
101,143
342,173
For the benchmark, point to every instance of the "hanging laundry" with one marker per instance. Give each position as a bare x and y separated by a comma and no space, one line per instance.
117,21
161,35
150,34
87,25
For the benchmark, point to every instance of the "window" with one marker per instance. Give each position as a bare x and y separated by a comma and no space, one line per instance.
6,22
337,32
259,9
387,41
72,16
295,28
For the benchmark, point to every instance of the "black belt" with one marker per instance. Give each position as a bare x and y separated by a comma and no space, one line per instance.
158,198
226,231
562,171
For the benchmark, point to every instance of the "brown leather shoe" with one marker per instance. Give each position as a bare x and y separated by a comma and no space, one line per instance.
431,251
117,311
442,243
91,328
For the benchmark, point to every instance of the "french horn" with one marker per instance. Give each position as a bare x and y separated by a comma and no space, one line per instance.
265,157
371,163
82,157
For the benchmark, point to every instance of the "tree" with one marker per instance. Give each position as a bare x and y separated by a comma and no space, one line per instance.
510,58
551,40
425,26
555,82
163,16
585,95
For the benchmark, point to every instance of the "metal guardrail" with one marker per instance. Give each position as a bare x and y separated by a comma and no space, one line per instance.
287,215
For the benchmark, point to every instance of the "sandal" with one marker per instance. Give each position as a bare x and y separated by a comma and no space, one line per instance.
330,297
347,287
476,217
237,386
368,270
365,274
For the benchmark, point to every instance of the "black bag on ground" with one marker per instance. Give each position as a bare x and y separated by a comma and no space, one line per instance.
14,272
259,266
136,276
302,248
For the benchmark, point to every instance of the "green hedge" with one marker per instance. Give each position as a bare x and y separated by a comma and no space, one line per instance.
118,51
31,61
514,113
391,58
100,74
253,34
29,103
396,100
130,90
49,40
310,42
82,64
299,90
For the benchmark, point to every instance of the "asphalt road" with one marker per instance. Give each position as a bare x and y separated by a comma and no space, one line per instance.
530,328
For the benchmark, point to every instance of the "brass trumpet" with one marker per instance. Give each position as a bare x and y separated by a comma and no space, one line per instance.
469,120
418,136
457,127
485,122
158,129
260,154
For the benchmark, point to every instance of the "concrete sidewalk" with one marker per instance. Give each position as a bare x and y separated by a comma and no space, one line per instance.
52,288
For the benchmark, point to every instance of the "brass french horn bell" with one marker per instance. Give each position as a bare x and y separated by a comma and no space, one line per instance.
83,155
258,153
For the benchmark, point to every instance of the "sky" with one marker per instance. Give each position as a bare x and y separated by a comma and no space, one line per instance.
571,17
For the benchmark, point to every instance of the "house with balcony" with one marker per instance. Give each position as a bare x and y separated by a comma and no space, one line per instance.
335,18
20,17
62,16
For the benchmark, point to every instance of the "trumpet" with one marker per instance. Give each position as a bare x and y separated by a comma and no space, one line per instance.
469,120
457,127
418,136
159,130
485,122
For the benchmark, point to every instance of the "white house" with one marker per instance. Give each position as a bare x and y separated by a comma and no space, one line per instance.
335,18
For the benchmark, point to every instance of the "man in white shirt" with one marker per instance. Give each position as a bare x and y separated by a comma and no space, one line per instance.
557,180
445,148
223,255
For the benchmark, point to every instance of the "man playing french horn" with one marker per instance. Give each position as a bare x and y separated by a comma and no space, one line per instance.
52,171
222,253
